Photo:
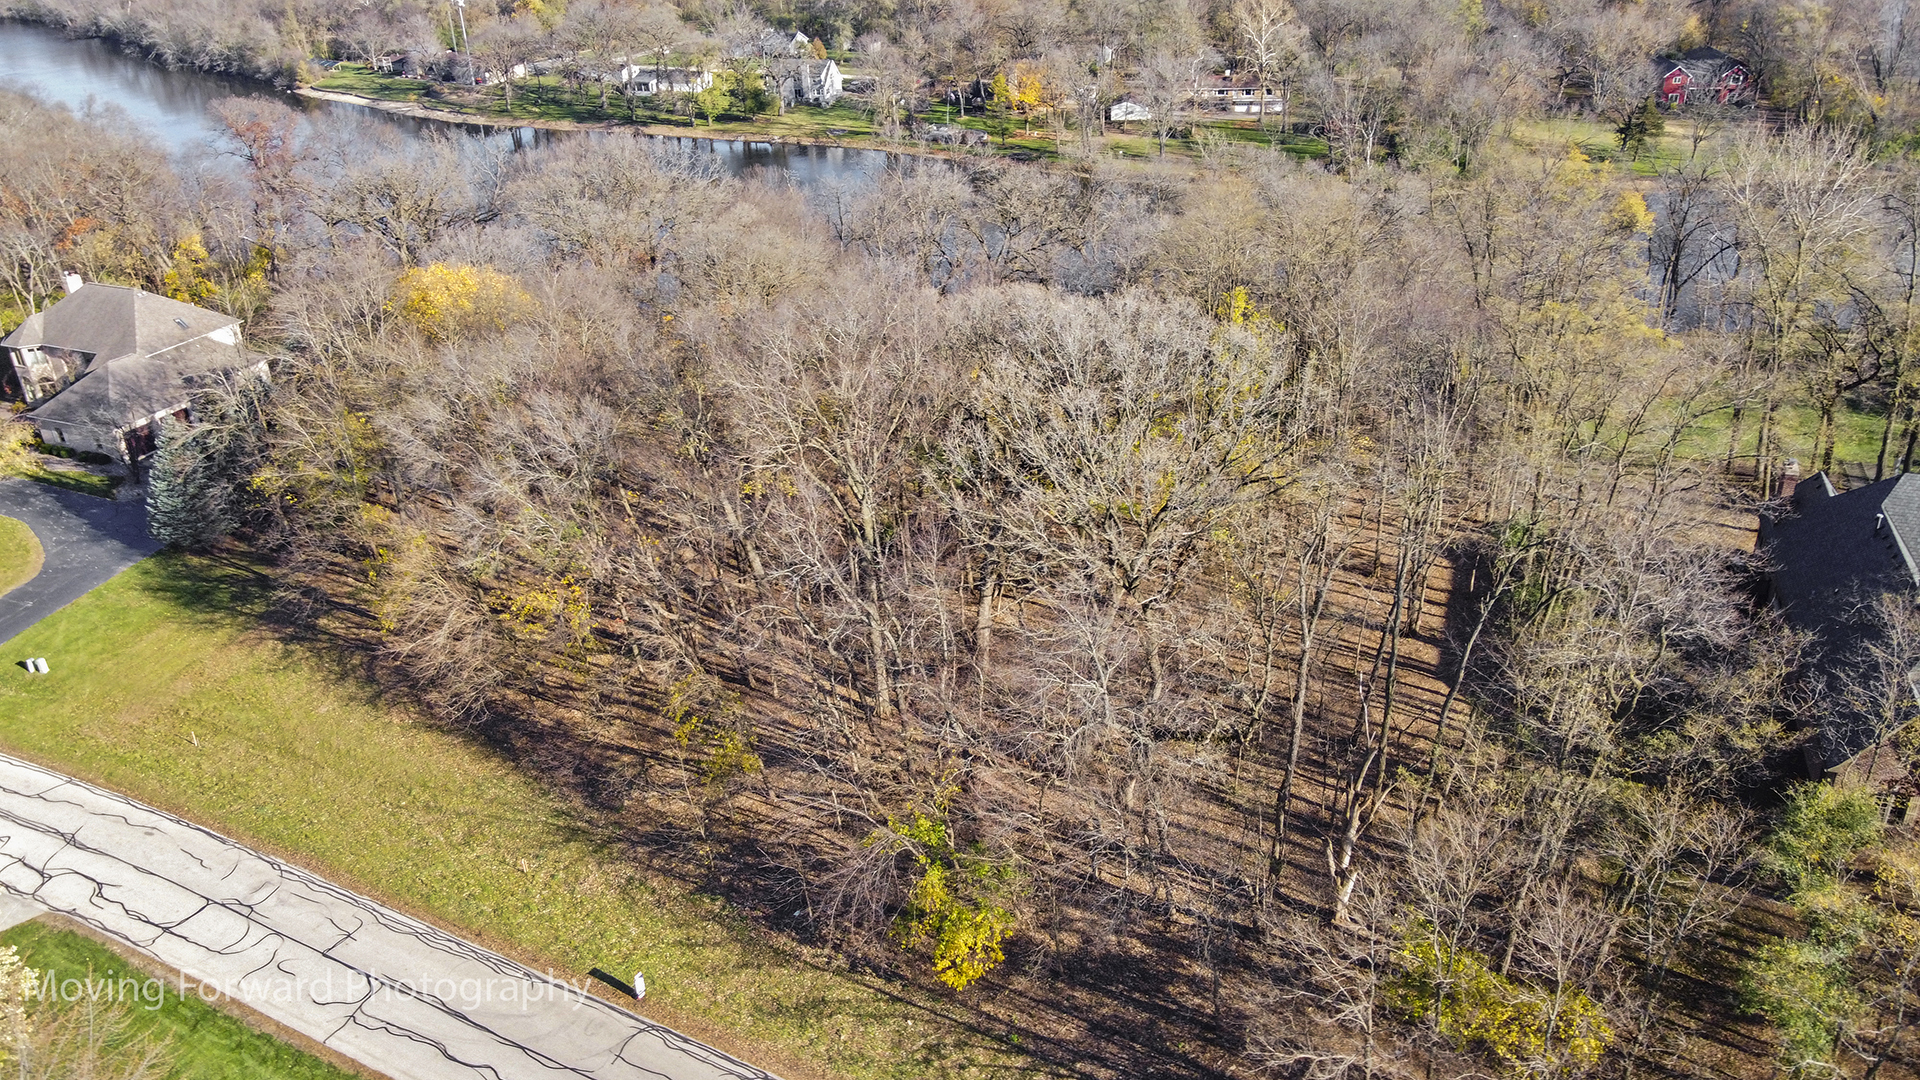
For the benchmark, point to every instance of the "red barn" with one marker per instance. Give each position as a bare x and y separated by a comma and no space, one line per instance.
1701,75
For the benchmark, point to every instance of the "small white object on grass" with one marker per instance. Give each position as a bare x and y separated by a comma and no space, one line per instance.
42,662
639,986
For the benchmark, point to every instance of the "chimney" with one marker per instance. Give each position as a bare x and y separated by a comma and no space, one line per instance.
73,284
1789,478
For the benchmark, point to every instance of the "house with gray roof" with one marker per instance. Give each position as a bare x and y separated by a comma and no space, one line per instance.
1838,558
99,369
645,80
1704,75
773,42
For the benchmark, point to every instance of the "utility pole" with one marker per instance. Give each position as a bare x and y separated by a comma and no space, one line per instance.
466,43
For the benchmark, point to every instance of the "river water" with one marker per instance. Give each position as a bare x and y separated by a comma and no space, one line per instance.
170,107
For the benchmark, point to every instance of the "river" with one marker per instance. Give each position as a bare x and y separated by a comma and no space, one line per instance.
170,106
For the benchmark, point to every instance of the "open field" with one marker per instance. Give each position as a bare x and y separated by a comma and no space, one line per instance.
203,1042
20,554
1597,140
164,690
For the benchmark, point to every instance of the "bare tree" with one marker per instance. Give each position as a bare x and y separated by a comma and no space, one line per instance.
1269,46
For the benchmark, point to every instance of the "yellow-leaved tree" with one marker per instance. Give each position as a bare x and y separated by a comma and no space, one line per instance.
954,907
1530,1031
1026,89
186,278
448,301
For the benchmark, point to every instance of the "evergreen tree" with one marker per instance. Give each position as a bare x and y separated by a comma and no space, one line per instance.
197,477
1641,129
177,495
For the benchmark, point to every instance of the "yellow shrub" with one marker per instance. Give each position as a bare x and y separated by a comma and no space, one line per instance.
964,931
707,721
1630,214
550,605
1475,1006
16,439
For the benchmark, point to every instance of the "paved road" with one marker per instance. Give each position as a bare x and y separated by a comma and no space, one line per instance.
87,541
388,991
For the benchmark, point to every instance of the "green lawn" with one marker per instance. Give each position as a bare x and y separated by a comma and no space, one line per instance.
164,688
203,1043
1597,140
20,554
80,480
546,99
359,79
1796,433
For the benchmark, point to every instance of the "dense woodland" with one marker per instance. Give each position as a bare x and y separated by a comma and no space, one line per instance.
1267,617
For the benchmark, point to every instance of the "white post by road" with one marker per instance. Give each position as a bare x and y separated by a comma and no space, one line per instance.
393,993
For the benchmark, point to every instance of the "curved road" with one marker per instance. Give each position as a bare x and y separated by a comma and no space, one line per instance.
393,993
388,991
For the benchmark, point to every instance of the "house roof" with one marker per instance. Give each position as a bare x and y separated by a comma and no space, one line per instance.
672,74
778,41
1705,64
111,321
1216,83
1837,547
1834,554
813,71
130,389
1705,54
145,353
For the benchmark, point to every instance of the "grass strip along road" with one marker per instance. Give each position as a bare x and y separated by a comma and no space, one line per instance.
202,1043
405,999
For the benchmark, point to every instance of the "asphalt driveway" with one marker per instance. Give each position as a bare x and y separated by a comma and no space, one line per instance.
87,541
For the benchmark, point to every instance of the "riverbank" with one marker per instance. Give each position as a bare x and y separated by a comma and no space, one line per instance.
447,116
543,104
121,64
552,103
732,132
548,108
214,56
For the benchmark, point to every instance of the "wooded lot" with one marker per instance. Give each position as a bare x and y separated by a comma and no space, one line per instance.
1264,618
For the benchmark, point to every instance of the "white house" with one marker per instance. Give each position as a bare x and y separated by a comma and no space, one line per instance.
1235,94
647,79
779,43
809,82
102,367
